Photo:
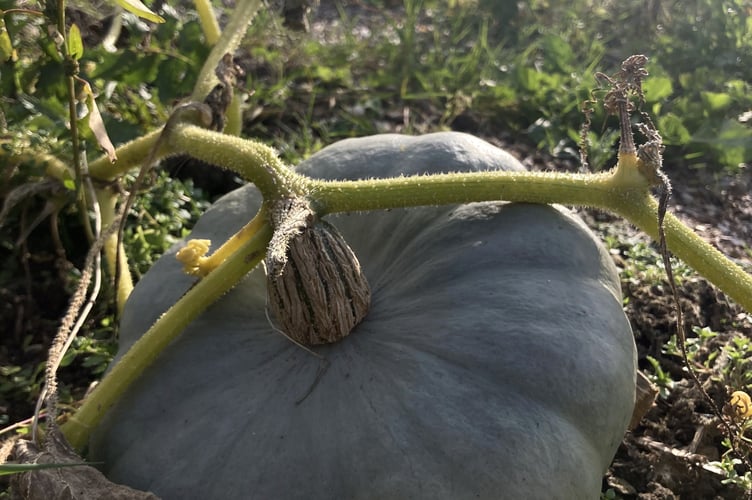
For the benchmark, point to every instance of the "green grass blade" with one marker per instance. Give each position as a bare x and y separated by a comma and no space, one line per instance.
13,468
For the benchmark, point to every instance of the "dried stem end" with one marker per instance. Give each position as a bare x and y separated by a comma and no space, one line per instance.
317,290
623,86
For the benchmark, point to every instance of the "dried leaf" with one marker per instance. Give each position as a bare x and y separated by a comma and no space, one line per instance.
96,124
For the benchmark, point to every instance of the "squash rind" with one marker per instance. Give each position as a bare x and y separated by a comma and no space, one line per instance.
496,361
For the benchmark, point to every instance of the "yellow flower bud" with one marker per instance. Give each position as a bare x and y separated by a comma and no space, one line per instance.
192,255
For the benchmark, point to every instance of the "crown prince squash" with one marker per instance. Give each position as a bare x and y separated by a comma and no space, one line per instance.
495,361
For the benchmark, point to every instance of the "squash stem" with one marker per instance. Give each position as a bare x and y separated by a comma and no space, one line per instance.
146,350
228,42
624,191
204,265
115,254
208,21
603,190
443,189
130,155
690,248
252,160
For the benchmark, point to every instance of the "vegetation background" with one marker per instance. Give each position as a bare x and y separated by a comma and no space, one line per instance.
514,73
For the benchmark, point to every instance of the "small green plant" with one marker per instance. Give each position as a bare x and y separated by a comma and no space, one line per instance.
660,378
645,265
160,217
727,466
737,444
739,355
694,345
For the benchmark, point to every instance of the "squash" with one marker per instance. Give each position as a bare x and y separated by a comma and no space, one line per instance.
496,360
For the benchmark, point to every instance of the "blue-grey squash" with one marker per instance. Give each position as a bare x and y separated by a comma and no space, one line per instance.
496,360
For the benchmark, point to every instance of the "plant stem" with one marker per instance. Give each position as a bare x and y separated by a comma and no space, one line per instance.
623,190
145,351
53,166
235,242
130,155
114,253
691,249
442,189
208,20
228,42
212,33
607,191
254,161
71,69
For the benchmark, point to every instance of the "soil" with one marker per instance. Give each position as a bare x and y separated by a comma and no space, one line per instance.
668,454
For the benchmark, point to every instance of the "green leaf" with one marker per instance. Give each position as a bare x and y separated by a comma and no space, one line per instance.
75,43
130,68
558,53
733,143
6,46
673,130
657,88
141,10
528,79
716,101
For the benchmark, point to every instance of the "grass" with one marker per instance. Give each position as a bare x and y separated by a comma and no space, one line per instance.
529,74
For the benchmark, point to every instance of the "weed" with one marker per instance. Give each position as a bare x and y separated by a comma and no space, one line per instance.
644,265
660,378
159,218
727,467
694,345
738,357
